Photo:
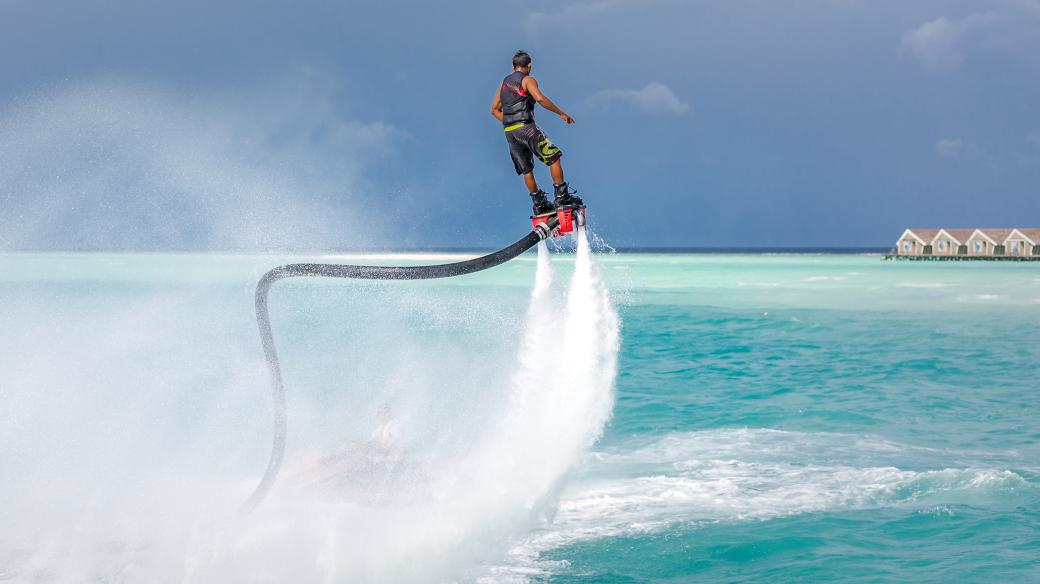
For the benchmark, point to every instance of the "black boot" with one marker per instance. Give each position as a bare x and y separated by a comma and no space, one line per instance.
540,203
565,197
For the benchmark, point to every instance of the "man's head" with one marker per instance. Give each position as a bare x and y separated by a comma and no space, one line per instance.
521,62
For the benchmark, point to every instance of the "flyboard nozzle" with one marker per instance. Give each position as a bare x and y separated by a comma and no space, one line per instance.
579,217
543,231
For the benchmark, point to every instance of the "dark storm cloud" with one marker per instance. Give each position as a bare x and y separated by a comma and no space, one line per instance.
699,123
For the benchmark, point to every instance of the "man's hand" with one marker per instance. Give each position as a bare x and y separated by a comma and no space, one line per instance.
531,85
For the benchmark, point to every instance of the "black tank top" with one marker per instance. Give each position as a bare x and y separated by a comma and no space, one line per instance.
517,104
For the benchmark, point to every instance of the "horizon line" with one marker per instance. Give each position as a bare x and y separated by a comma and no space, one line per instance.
458,249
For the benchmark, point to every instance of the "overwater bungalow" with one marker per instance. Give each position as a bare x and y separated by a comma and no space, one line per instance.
984,242
913,242
950,242
1022,243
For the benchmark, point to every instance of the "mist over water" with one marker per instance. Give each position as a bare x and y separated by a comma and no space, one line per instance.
429,425
114,164
443,512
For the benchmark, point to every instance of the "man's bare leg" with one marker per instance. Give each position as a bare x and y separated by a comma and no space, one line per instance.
556,169
532,185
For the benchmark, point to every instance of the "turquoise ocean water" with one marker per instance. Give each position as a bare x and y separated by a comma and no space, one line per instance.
777,417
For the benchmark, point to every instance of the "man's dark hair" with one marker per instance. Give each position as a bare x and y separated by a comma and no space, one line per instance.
521,59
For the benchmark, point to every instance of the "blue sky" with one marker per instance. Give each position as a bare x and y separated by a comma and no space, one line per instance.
321,125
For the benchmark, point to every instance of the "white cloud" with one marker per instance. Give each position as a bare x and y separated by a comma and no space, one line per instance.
955,148
655,98
939,43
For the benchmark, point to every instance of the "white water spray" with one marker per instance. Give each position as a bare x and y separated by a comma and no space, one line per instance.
563,391
443,512
454,511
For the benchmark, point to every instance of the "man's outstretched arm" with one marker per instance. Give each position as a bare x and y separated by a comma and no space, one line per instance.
496,106
531,85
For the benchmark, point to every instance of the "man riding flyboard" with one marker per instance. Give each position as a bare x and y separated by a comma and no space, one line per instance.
513,105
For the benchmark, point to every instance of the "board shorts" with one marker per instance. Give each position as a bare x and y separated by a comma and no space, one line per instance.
526,141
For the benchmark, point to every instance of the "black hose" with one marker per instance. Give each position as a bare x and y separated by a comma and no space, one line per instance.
263,320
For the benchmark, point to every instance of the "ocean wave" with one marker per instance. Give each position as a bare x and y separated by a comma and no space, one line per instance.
714,490
701,478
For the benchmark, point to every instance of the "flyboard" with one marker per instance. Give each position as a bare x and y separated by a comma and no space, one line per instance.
567,218
558,223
